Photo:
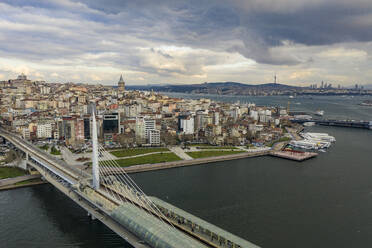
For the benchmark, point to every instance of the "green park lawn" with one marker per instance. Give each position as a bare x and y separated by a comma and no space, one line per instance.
9,172
44,147
35,180
55,151
198,145
137,151
218,147
149,159
205,154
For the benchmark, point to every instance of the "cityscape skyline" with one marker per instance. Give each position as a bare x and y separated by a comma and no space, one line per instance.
172,42
173,124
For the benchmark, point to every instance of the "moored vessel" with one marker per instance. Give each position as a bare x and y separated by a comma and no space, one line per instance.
319,112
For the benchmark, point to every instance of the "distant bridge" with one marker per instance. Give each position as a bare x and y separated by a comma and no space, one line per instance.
121,205
338,123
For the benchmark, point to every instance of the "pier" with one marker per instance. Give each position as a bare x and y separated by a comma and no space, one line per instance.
294,155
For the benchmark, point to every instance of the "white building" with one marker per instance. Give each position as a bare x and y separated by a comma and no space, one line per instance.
235,113
187,125
143,128
44,90
283,112
150,125
140,130
26,133
132,110
254,115
154,137
44,131
216,118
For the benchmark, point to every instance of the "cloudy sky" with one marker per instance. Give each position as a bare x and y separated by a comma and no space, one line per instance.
172,41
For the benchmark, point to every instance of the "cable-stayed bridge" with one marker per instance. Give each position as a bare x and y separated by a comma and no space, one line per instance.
109,195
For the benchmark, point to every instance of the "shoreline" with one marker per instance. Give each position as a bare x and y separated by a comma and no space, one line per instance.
198,161
10,187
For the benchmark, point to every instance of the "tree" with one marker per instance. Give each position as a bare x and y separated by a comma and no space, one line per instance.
168,138
126,139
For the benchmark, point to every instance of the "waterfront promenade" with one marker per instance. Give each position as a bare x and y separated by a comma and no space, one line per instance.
182,163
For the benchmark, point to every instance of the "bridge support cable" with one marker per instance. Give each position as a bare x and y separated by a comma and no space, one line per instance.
132,193
109,183
141,198
123,177
112,193
112,184
106,172
107,168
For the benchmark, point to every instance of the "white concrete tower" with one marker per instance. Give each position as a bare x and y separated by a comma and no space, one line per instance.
95,169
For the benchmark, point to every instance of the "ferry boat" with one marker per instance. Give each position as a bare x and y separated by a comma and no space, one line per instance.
309,124
310,144
318,136
366,103
319,112
313,141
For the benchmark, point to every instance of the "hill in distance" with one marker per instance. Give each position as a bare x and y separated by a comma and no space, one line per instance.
221,88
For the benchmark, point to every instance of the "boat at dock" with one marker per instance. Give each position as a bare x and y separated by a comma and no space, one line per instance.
309,124
366,103
313,141
319,112
318,137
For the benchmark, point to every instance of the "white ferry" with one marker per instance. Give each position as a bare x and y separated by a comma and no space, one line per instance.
313,141
319,112
309,124
318,137
304,144
310,144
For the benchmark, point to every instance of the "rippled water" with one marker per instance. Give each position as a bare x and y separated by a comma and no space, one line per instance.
323,202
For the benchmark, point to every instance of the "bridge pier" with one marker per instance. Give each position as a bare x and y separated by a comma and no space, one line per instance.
23,164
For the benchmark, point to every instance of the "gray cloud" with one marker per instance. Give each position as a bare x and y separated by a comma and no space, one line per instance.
139,36
260,25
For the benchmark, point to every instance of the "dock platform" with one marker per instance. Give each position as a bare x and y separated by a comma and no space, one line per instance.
294,155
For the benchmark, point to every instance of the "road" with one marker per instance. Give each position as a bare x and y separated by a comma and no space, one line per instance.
13,180
180,153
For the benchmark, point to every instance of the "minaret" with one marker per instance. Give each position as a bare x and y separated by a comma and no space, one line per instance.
121,84
95,167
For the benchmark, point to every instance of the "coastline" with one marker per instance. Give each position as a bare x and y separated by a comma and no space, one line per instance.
197,161
13,186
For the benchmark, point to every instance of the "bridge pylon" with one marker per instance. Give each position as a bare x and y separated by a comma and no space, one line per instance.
95,167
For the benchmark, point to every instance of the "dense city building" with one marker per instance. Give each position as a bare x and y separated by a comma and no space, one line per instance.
62,112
